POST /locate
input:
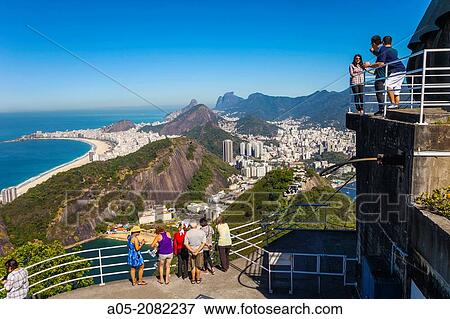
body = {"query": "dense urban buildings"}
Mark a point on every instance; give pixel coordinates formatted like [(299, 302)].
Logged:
[(123, 142), (294, 142)]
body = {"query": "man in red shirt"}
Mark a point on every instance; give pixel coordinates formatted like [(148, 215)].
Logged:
[(181, 251)]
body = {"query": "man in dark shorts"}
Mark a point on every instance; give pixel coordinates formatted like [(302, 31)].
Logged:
[(194, 241), (377, 49)]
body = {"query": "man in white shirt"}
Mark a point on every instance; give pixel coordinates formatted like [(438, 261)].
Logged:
[(195, 241)]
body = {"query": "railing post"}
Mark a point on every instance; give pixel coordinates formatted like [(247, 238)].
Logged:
[(412, 91), (291, 291), (318, 272), (422, 94), (102, 283), (344, 269), (392, 258), (270, 275), (385, 89)]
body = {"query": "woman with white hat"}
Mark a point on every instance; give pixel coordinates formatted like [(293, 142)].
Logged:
[(135, 259)]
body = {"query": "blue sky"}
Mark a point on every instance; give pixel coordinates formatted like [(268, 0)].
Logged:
[(173, 50)]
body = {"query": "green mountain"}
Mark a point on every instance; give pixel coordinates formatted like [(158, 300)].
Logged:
[(201, 124), (323, 107), (212, 137), (250, 124), (198, 115), (70, 205)]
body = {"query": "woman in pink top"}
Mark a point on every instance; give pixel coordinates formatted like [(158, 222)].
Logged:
[(356, 70)]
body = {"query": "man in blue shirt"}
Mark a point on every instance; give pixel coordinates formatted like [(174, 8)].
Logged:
[(396, 71)]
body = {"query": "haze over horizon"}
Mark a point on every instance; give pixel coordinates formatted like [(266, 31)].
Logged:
[(170, 52)]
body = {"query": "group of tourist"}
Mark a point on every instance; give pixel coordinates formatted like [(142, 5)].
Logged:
[(192, 245), (385, 55)]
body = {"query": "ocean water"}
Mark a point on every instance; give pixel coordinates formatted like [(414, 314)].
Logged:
[(23, 160), (106, 242), (350, 190)]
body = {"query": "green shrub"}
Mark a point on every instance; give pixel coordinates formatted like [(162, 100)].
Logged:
[(191, 151), (437, 202)]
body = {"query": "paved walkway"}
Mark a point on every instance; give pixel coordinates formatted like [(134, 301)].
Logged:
[(233, 284)]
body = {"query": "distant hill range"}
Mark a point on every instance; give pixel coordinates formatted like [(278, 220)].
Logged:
[(199, 123), (250, 124), (71, 205), (173, 115), (120, 126), (322, 107), (185, 121)]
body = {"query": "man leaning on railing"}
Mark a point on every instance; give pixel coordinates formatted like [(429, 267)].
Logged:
[(377, 48), (396, 71), (16, 281)]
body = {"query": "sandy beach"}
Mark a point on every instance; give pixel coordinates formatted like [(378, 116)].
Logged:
[(100, 147), (148, 236)]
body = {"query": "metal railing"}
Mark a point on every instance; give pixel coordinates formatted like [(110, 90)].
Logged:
[(100, 256), (101, 260), (264, 254), (288, 259), (422, 88)]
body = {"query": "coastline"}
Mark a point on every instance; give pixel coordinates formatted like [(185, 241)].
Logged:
[(147, 235), (100, 147)]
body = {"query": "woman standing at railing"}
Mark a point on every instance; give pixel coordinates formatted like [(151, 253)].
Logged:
[(356, 70), (165, 249), (135, 259), (209, 232), (224, 243), (181, 251)]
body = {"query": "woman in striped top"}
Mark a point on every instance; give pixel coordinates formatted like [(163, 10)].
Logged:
[(356, 70)]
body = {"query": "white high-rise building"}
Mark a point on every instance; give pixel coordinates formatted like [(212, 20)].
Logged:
[(246, 171), (9, 194), (249, 149), (258, 147), (242, 149), (228, 151), (253, 171)]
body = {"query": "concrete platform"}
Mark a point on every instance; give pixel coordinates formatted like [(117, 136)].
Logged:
[(234, 284), (245, 279)]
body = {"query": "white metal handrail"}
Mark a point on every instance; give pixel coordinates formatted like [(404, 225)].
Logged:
[(415, 91), (101, 266), (238, 240)]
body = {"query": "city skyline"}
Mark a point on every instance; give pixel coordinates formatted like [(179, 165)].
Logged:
[(169, 53)]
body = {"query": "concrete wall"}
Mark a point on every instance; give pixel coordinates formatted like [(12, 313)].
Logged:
[(430, 253), (430, 173), (385, 196)]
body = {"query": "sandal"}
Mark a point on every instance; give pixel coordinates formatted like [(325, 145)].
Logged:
[(198, 281), (133, 283), (193, 281), (142, 283)]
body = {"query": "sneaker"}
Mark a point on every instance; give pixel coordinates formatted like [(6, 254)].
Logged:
[(392, 106)]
